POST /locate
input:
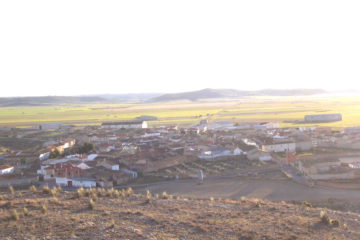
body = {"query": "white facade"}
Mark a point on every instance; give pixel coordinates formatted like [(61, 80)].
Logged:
[(76, 182), (280, 147), (126, 125), (44, 156), (6, 170)]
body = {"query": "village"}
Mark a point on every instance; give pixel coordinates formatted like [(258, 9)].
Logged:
[(119, 153)]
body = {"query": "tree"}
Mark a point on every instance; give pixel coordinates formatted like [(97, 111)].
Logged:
[(54, 154), (85, 148), (22, 160)]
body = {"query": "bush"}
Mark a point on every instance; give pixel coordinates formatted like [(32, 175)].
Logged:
[(335, 222), (33, 189), (53, 192), (44, 208), (14, 215), (324, 218), (46, 190), (148, 196), (11, 189), (80, 192), (130, 192), (307, 204), (92, 204), (26, 211), (164, 195)]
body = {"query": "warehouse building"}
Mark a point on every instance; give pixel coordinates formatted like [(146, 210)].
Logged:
[(126, 125), (323, 117)]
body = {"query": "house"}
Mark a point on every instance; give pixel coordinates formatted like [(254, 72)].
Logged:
[(83, 166), (47, 126), (323, 117), (6, 169), (256, 154), (76, 182), (215, 153), (266, 125), (304, 145), (44, 156), (61, 170), (126, 125), (133, 173), (279, 147), (62, 146), (325, 169), (109, 165)]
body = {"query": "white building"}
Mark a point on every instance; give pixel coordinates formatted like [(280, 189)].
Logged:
[(126, 125), (47, 126), (6, 169), (76, 182), (279, 147)]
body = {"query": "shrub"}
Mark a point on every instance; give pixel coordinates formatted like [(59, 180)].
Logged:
[(59, 189), (164, 195), (324, 218), (80, 192), (33, 189), (335, 222), (14, 215), (11, 189), (307, 204), (46, 190), (130, 191), (44, 208), (94, 196), (26, 211), (257, 203), (148, 196), (53, 192), (92, 204), (112, 223), (117, 193), (110, 192)]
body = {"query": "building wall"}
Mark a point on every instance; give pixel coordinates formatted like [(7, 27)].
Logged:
[(7, 171), (282, 147), (323, 117), (304, 146), (348, 175), (126, 126)]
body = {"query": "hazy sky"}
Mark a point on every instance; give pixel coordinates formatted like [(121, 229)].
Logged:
[(87, 47)]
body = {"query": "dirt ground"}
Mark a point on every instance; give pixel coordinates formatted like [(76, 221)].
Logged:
[(269, 189)]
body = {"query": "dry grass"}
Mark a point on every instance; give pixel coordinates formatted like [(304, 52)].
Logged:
[(92, 204), (33, 189), (11, 190), (111, 217)]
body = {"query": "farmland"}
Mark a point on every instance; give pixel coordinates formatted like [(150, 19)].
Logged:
[(283, 110)]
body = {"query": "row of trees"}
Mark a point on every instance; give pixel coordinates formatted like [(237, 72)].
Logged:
[(82, 149)]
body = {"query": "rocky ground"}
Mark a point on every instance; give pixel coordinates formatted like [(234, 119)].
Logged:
[(113, 214)]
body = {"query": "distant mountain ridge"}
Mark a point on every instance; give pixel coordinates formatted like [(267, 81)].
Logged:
[(59, 100), (48, 100), (209, 93)]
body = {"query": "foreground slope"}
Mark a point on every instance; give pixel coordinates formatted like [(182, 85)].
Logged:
[(113, 214)]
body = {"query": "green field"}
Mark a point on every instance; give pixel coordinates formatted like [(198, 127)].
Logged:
[(247, 110)]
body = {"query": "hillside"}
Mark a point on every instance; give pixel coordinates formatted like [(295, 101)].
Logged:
[(48, 100), (113, 214), (209, 93), (60, 100)]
